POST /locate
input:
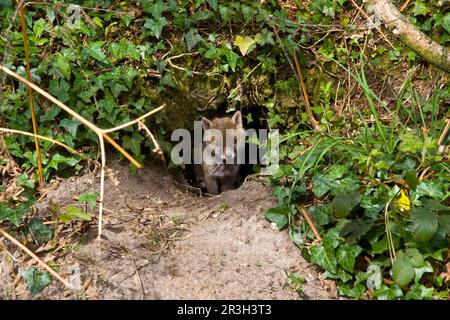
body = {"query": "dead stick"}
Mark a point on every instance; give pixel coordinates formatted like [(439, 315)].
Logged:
[(311, 224), (30, 94), (35, 257), (403, 7), (302, 86)]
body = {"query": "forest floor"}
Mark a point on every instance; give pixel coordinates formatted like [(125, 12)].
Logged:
[(162, 241)]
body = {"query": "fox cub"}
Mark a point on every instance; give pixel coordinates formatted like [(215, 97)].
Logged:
[(223, 143)]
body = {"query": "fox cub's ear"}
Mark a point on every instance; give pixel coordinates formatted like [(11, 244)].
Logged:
[(207, 124), (237, 119)]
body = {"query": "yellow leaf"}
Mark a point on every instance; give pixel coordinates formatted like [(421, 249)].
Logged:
[(244, 44), (402, 203)]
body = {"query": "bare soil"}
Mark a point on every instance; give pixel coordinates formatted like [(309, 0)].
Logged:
[(163, 241)]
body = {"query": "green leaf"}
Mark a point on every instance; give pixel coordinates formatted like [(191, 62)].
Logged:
[(14, 214), (38, 27), (411, 179), (213, 4), (41, 233), (225, 14), (434, 205), (430, 189), (96, 52), (90, 198), (24, 181), (420, 8), (355, 229), (419, 292), (410, 143), (50, 115), (419, 271), (324, 256), (279, 215), (192, 38), (344, 203), (245, 45), (446, 22), (133, 143), (402, 271), (74, 213), (415, 257), (36, 280), (231, 58), (156, 26), (321, 214), (425, 224), (393, 292), (155, 8), (71, 125), (63, 65), (346, 255)]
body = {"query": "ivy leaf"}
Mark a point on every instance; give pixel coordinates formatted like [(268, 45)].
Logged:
[(446, 22), (24, 181), (89, 198), (155, 8), (424, 224), (213, 4), (324, 256), (425, 268), (36, 280), (430, 189), (245, 45), (133, 143), (38, 27), (70, 125), (346, 255), (156, 26), (420, 8), (231, 58), (355, 229), (14, 214), (63, 65), (279, 215), (74, 213), (192, 38), (96, 52), (402, 271), (59, 88), (225, 14), (321, 214), (393, 292), (411, 179), (434, 205), (419, 292), (344, 203), (41, 233)]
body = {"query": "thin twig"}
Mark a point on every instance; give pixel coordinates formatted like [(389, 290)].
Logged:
[(30, 93), (403, 7), (135, 120), (157, 148), (302, 86), (35, 257), (310, 223), (376, 27)]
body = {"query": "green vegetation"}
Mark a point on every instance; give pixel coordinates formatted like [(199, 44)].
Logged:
[(374, 182)]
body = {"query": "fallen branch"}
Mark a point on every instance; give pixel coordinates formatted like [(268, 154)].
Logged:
[(102, 134), (35, 258), (157, 148), (412, 37)]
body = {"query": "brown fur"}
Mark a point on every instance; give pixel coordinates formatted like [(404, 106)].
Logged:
[(221, 177)]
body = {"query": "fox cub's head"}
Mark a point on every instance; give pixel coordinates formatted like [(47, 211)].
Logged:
[(223, 139)]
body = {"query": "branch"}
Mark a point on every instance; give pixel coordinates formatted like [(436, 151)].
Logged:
[(407, 33)]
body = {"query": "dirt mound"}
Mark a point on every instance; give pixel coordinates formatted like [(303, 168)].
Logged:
[(162, 242)]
